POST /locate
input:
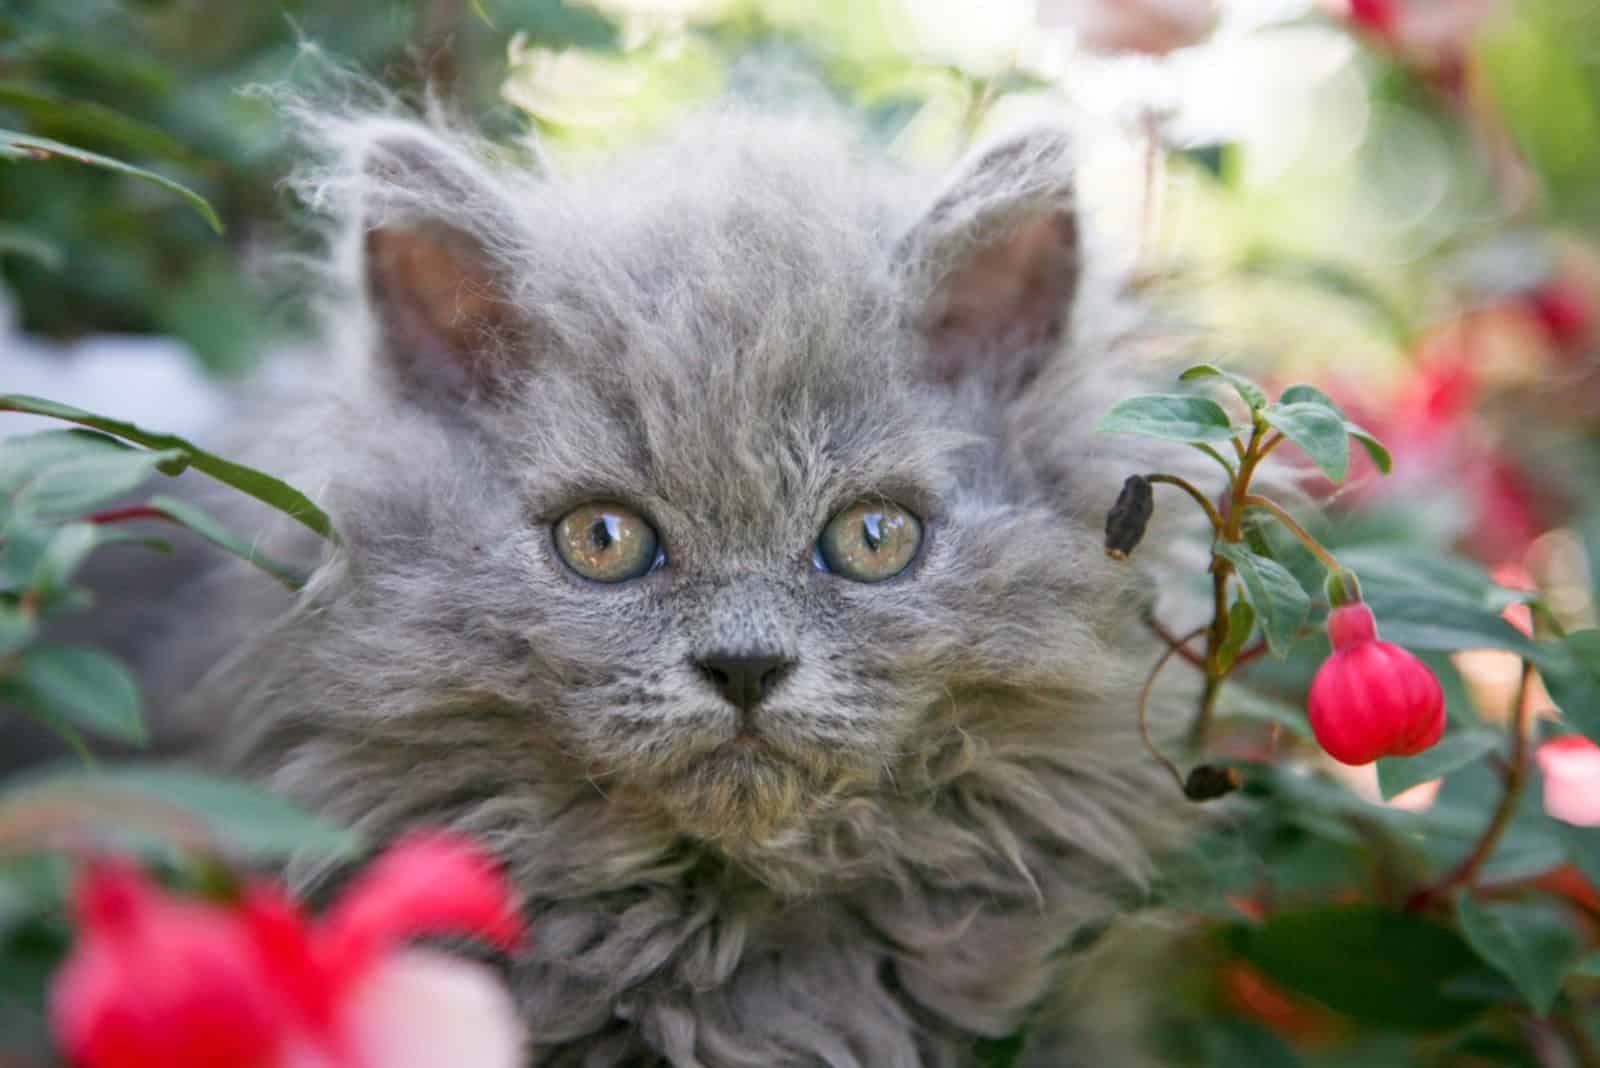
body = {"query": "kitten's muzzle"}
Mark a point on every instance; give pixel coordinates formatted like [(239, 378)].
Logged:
[(745, 679)]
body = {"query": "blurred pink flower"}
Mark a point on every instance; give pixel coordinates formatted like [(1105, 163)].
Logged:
[(1148, 27), (160, 979), (1570, 765)]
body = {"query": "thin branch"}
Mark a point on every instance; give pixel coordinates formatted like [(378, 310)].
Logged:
[(1193, 491), (1252, 500), (1174, 642), (1144, 704)]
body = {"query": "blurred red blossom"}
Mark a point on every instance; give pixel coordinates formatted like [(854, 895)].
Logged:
[(160, 979), (1566, 310), (1371, 698), (1432, 428), (1432, 36), (1570, 765)]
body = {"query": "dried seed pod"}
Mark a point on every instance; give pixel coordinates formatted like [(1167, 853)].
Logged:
[(1127, 519), (1207, 782)]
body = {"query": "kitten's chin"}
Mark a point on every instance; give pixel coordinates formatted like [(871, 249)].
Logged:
[(747, 793)]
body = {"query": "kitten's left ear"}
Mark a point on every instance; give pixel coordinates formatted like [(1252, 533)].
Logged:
[(993, 266), (448, 326)]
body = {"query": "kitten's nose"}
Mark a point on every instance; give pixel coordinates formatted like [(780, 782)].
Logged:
[(744, 678)]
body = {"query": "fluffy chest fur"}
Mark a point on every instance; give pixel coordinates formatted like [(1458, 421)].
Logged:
[(731, 342)]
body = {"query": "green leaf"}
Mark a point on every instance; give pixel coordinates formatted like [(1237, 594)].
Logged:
[(1398, 774), (1397, 570), (1375, 450), (1280, 602), (1533, 944), (24, 456), (1589, 966), (261, 486), (1304, 394), (1241, 621), (1300, 393), (70, 489), (16, 630), (202, 523), (1172, 416), (1316, 430), (21, 145), (244, 820), (65, 116), (28, 244), (1381, 967), (1411, 618), (81, 686), (1248, 391), (66, 549), (1570, 668)]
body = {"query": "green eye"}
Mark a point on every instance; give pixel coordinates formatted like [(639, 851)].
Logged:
[(608, 543), (870, 541)]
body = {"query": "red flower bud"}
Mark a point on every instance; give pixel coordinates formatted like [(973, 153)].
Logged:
[(1371, 698)]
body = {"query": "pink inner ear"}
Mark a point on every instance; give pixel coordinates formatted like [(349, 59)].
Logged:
[(1010, 295), (438, 305)]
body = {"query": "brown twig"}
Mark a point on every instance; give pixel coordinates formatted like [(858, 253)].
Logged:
[(1516, 778), (1144, 704)]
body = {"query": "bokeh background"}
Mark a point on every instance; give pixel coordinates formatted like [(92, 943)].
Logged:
[(1398, 200)]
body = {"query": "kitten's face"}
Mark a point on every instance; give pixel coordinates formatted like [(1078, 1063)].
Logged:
[(750, 546)]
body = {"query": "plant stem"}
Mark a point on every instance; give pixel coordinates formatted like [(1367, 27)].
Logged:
[(1516, 778), (1173, 641), (118, 515), (1189, 488), (1144, 703), (1254, 501)]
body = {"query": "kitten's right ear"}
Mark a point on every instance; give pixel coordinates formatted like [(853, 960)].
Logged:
[(440, 292), (992, 268)]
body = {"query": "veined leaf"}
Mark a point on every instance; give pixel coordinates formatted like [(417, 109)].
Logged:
[(240, 818), (1533, 944), (1248, 391), (81, 686), (1318, 431), (202, 523), (1280, 602), (25, 146), (1398, 774), (263, 487), (1379, 966), (1172, 416)]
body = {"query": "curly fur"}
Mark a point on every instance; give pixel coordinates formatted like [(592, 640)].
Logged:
[(733, 333)]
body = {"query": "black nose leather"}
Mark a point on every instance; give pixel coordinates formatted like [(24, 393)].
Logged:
[(744, 678)]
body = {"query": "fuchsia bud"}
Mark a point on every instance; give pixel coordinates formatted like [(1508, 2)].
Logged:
[(1371, 698)]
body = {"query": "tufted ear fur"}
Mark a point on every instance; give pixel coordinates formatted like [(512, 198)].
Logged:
[(438, 285), (993, 265)]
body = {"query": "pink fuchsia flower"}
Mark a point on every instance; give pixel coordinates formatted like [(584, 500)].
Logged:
[(1371, 698), (1570, 765), (160, 979), (1145, 27)]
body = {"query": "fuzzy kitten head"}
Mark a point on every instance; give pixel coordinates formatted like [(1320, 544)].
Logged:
[(733, 481)]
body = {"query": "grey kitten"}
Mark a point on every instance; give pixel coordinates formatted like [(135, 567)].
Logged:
[(721, 544)]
